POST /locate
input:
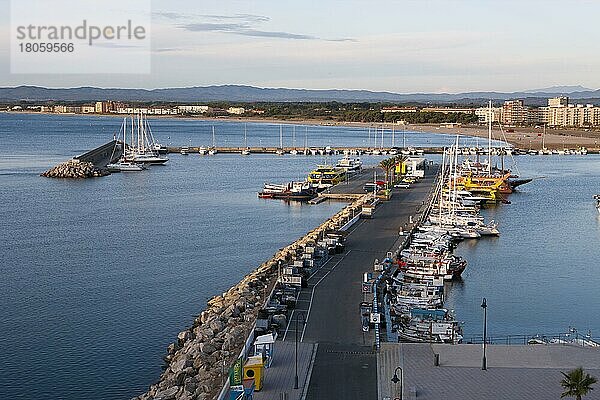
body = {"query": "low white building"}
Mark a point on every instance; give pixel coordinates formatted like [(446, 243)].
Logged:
[(192, 109), (236, 110)]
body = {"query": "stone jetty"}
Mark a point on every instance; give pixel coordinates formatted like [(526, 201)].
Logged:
[(75, 169), (195, 362)]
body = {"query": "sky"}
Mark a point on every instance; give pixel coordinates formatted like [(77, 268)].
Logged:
[(403, 46)]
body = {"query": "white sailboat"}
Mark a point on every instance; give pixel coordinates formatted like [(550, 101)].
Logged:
[(245, 151), (294, 151), (213, 150), (123, 165), (306, 151), (279, 151), (142, 145)]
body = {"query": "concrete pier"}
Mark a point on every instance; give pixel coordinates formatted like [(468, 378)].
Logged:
[(345, 364), (103, 155)]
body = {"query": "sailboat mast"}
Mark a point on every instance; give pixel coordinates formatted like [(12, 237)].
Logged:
[(305, 138), (544, 138), (245, 135), (393, 133), (490, 117), (455, 173), (294, 137), (442, 177), (280, 136), (138, 132), (132, 123), (382, 136), (213, 137)]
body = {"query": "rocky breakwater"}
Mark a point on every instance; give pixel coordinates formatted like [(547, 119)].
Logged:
[(196, 361), (75, 169)]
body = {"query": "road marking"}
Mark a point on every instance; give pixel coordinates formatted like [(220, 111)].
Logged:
[(313, 294), (288, 325), (309, 372)]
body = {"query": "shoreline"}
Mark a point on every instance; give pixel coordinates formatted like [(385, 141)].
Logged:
[(528, 138)]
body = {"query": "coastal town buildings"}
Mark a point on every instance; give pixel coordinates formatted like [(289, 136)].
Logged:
[(558, 112)]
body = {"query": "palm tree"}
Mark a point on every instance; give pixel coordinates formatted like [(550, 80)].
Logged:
[(386, 165), (577, 383)]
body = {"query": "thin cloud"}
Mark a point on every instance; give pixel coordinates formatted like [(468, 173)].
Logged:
[(169, 50), (280, 35), (237, 24), (244, 18), (243, 29)]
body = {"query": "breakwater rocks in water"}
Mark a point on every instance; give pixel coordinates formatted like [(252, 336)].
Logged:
[(194, 363), (75, 169)]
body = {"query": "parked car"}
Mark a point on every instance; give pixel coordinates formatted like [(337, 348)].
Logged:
[(370, 187), (402, 185)]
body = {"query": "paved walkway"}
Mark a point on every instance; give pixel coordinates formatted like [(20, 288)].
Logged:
[(357, 180), (514, 372), (280, 377)]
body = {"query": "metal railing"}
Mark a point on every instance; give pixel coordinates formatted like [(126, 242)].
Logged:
[(573, 338)]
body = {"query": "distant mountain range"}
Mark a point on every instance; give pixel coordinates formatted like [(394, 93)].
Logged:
[(239, 93)]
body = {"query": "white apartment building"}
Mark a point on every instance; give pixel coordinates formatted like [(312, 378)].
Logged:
[(560, 113)]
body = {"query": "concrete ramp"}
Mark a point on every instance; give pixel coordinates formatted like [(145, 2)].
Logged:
[(103, 155)]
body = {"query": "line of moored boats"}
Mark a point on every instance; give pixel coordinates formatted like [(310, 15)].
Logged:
[(416, 289), (141, 151), (321, 178)]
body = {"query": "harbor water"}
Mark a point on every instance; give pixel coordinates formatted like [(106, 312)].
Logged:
[(99, 275)]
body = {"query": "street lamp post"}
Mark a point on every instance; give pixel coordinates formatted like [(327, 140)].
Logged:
[(395, 379), (298, 314), (484, 306)]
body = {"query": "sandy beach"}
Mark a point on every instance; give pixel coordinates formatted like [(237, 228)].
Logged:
[(522, 137)]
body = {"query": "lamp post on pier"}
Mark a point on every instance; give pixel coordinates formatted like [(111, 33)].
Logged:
[(484, 360), (298, 314), (395, 379)]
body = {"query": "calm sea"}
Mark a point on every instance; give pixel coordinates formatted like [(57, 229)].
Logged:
[(99, 275)]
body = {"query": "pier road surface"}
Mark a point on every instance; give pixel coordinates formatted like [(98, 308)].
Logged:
[(345, 365), (355, 182)]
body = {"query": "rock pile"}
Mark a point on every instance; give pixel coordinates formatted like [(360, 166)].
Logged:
[(195, 361), (75, 169)]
